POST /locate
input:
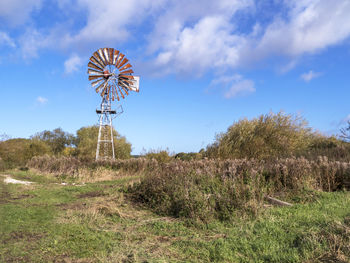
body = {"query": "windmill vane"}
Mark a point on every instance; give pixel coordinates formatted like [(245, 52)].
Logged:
[(111, 76)]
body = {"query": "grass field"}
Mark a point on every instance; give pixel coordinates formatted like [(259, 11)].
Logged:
[(97, 222)]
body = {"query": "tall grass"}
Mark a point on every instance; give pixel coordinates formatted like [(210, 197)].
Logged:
[(207, 189)]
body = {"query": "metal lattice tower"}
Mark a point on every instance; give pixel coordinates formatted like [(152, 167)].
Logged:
[(105, 141)]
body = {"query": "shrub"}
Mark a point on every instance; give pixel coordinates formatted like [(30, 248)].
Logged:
[(331, 147), (268, 136), (206, 189), (161, 156), (188, 156), (17, 152)]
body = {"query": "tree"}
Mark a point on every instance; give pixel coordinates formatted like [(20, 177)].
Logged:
[(17, 152), (56, 139), (345, 132), (86, 143), (270, 135)]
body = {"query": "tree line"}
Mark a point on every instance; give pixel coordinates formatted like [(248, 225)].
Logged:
[(272, 135), (17, 152)]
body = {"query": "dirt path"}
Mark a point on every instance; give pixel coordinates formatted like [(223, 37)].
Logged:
[(9, 180)]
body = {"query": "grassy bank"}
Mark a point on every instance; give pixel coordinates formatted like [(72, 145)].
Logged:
[(98, 222)]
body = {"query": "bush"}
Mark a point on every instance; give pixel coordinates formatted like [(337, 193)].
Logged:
[(268, 136), (188, 156), (207, 189), (331, 147), (161, 156), (17, 152)]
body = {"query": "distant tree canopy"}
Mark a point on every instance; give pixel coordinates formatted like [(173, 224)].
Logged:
[(162, 156), (57, 139), (86, 143), (16, 152), (275, 136), (270, 135)]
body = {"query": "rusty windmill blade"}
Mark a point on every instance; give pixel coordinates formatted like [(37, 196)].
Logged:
[(103, 84), (121, 93), (92, 77), (111, 55), (120, 58), (96, 82), (92, 65), (115, 56), (125, 82), (104, 90), (122, 63), (94, 72), (116, 93), (125, 67), (106, 55), (97, 56), (101, 56), (95, 61), (123, 88), (130, 71), (122, 76)]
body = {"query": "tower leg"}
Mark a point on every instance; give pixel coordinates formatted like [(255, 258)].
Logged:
[(112, 139), (99, 138)]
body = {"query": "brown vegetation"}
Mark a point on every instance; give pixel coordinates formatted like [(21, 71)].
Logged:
[(206, 189)]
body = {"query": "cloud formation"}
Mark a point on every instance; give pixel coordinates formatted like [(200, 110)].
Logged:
[(72, 64), (219, 37), (310, 75), (17, 12), (6, 40), (41, 100), (234, 86)]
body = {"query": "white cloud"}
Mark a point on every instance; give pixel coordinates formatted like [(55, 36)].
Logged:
[(31, 42), (41, 100), (72, 64), (207, 45), (5, 39), (312, 26), (234, 85), (189, 36), (108, 21), (198, 38), (208, 39), (17, 12), (310, 75), (240, 88)]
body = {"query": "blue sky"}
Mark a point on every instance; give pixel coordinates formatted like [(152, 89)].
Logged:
[(203, 65)]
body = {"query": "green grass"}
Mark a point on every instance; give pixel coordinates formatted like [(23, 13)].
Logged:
[(96, 222)]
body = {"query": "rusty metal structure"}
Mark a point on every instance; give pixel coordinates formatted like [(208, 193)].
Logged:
[(112, 77)]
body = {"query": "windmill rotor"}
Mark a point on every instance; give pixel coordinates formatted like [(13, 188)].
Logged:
[(110, 74)]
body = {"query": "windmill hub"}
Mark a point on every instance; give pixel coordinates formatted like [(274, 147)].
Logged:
[(102, 69), (106, 74)]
